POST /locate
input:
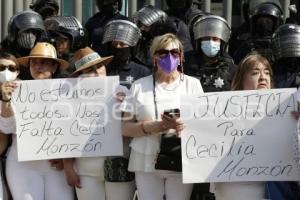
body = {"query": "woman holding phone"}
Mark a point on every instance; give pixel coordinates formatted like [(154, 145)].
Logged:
[(144, 121)]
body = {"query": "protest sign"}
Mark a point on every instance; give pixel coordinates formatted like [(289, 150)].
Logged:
[(240, 136), (61, 118)]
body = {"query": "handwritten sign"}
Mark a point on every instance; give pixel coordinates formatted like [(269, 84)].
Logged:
[(240, 136), (61, 118)]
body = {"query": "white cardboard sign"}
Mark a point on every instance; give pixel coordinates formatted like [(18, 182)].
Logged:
[(240, 136), (61, 118)]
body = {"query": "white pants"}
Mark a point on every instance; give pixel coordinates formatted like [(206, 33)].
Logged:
[(36, 180), (119, 190), (94, 188), (154, 185), (239, 190)]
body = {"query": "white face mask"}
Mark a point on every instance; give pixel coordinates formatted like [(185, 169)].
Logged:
[(7, 75)]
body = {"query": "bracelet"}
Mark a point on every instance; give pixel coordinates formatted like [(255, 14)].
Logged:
[(143, 129), (8, 100)]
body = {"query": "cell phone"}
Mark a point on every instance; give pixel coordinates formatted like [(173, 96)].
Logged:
[(172, 113)]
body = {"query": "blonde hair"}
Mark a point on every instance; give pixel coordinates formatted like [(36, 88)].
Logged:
[(160, 42), (245, 67)]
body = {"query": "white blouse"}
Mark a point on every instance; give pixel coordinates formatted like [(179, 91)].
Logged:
[(140, 102)]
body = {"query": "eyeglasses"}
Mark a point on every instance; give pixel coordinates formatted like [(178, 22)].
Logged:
[(12, 68), (164, 52)]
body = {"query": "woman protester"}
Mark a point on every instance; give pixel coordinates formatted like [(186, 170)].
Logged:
[(9, 70), (253, 73), (39, 179), (86, 174), (144, 122)]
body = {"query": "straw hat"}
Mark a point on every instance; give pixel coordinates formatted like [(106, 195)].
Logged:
[(43, 50), (86, 58)]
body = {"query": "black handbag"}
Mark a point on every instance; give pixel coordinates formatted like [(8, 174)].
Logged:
[(169, 157), (116, 170)]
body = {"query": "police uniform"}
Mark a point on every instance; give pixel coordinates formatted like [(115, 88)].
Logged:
[(151, 17), (95, 25), (286, 45), (70, 28), (177, 16), (214, 77), (261, 30), (128, 71), (286, 50), (19, 42), (213, 72)]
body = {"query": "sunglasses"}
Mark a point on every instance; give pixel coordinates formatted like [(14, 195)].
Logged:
[(11, 68), (164, 52)]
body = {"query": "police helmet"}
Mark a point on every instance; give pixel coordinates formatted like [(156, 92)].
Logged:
[(270, 9), (193, 16), (122, 31), (254, 3), (70, 27), (23, 21), (286, 42), (212, 26), (148, 15)]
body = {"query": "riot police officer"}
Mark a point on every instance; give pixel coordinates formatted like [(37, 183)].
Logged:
[(121, 36), (286, 50), (46, 8), (24, 30), (177, 10), (242, 33), (67, 33), (108, 10), (265, 18), (150, 21), (211, 64)]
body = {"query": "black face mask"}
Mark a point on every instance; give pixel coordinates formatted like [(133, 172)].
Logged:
[(264, 28), (109, 10), (121, 57)]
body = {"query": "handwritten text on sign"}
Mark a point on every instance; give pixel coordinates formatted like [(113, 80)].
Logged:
[(67, 118), (240, 136)]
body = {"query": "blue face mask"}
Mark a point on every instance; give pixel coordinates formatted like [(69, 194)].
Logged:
[(210, 48)]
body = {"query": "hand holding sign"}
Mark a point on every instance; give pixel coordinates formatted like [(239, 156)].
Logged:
[(240, 136), (67, 118)]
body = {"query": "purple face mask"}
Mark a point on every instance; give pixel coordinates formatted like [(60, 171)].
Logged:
[(169, 63)]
